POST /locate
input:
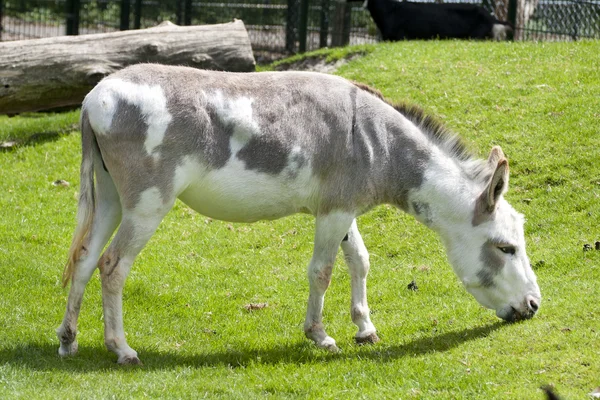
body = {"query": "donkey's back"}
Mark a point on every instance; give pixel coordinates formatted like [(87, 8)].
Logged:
[(237, 147)]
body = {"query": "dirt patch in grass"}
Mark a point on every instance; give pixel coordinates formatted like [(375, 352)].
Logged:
[(316, 64)]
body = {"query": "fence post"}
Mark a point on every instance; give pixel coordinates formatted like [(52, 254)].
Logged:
[(137, 14), (179, 12), (512, 18), (340, 35), (1, 13), (124, 25), (291, 25), (324, 32), (187, 10), (72, 16), (303, 28)]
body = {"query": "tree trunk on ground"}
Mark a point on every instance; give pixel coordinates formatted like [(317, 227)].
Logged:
[(54, 72)]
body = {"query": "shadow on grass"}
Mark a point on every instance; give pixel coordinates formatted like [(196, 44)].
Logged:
[(35, 128), (35, 139), (44, 356)]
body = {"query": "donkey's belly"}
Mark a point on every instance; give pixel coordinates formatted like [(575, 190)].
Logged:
[(243, 196)]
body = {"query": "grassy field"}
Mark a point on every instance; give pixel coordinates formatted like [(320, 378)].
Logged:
[(184, 300)]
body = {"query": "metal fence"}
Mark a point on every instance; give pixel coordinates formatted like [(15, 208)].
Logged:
[(278, 26), (564, 20), (549, 20)]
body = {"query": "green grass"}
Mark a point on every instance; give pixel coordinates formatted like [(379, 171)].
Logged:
[(184, 298), (31, 128)]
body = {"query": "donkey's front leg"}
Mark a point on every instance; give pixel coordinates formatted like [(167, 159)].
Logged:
[(329, 232), (357, 258)]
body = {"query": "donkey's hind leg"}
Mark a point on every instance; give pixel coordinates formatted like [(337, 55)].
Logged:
[(357, 258), (138, 225), (108, 215), (329, 232)]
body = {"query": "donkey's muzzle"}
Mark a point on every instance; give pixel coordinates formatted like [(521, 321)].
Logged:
[(525, 311)]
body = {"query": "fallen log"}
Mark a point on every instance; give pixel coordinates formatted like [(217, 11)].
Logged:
[(40, 74)]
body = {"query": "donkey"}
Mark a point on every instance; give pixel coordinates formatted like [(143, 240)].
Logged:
[(246, 147)]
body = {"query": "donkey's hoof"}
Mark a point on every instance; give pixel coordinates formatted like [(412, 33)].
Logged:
[(332, 348), (328, 344), (66, 350), (369, 339), (129, 360)]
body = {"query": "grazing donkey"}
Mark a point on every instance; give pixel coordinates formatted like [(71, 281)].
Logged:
[(245, 147)]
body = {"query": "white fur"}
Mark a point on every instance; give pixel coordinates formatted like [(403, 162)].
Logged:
[(234, 193), (499, 32), (446, 193), (451, 204), (150, 202), (102, 102), (236, 112), (357, 259)]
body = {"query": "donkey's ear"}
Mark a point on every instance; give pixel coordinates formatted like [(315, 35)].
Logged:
[(496, 155), (498, 185)]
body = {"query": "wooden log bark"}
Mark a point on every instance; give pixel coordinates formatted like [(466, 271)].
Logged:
[(54, 72)]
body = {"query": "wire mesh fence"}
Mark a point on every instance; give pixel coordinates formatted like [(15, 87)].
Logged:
[(563, 20), (277, 26)]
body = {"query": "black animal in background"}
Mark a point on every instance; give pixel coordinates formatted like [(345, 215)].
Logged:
[(406, 20)]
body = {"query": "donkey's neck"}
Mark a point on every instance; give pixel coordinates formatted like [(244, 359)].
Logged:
[(445, 196), (427, 180)]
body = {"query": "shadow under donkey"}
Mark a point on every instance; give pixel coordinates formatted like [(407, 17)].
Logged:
[(42, 356)]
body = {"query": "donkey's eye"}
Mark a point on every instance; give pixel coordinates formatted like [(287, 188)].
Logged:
[(507, 249)]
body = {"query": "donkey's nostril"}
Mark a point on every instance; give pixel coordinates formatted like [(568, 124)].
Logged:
[(533, 305)]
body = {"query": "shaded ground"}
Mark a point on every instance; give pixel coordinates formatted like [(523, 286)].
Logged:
[(316, 64)]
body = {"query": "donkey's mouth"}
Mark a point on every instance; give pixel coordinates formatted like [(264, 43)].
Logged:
[(511, 314), (526, 310)]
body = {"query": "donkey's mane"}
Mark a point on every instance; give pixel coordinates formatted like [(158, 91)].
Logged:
[(439, 135), (435, 130)]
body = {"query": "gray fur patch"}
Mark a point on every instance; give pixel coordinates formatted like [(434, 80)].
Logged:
[(492, 261), (264, 155), (197, 129), (129, 120), (410, 167), (423, 211), (481, 214), (68, 335), (486, 278), (296, 161), (129, 126)]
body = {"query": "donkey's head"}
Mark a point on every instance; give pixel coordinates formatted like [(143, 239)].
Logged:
[(487, 249)]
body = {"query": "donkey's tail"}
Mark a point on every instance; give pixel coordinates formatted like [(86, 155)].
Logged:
[(87, 197)]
